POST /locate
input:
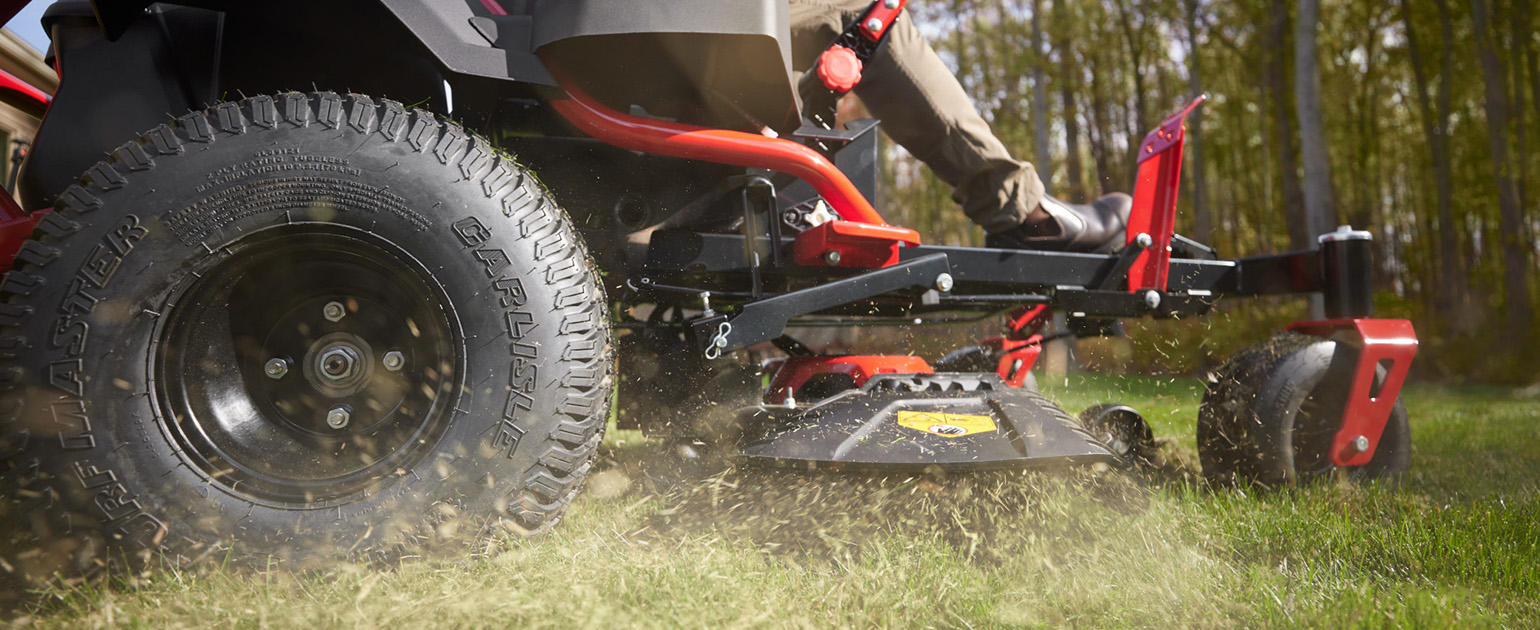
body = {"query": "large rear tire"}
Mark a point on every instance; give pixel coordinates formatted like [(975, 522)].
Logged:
[(305, 326), (1270, 413)]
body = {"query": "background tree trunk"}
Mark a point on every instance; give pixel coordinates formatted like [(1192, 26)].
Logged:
[(1435, 129), (1320, 199), (1069, 85), (1039, 93), (1133, 37), (1415, 117), (1202, 222), (1515, 259), (1277, 80)]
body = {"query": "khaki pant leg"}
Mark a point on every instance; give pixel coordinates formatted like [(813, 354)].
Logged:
[(924, 109)]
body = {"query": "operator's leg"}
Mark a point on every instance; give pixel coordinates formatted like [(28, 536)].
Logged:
[(924, 109)]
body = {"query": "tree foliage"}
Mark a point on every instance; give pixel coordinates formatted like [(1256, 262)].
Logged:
[(1431, 123)]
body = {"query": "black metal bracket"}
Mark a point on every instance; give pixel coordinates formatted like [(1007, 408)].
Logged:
[(1117, 277), (819, 103), (766, 319)]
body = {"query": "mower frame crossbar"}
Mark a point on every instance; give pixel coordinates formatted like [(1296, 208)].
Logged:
[(765, 319), (990, 272)]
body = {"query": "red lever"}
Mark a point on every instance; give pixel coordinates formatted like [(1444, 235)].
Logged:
[(839, 68)]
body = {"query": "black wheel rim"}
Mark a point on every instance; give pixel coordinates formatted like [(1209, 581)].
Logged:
[(307, 365)]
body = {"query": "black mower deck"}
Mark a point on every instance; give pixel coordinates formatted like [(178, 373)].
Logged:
[(910, 421)]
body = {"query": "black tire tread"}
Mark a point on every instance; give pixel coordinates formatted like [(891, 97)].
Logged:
[(555, 478), (1226, 418), (1237, 447)]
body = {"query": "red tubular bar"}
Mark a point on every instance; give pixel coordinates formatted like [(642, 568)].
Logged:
[(21, 95), (796, 371), (713, 145)]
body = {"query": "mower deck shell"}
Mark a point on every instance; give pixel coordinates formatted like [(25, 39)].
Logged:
[(913, 421)]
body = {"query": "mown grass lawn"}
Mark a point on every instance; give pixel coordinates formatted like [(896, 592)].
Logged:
[(1457, 545)]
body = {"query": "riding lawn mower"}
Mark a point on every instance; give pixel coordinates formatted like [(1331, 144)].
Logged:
[(244, 321)]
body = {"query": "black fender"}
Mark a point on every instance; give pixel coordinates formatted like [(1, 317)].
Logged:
[(129, 65)]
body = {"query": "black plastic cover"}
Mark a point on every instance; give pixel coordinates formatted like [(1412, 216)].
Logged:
[(720, 62), (914, 421)]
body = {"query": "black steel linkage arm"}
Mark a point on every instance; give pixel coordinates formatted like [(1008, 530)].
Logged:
[(765, 319)]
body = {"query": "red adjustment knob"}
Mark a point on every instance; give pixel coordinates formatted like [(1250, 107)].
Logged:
[(840, 68)]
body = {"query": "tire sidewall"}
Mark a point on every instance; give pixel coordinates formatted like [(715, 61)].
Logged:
[(1322, 371), (117, 466), (1287, 386)]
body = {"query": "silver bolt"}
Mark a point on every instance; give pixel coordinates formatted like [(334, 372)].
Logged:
[(944, 282), (1361, 443), (1144, 240), (394, 360), (276, 368), (1152, 298), (874, 25), (831, 258), (334, 311), (891, 4), (791, 399), (338, 417), (338, 363)]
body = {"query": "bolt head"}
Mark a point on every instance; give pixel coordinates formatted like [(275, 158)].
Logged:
[(1144, 240), (338, 417), (874, 25), (831, 258), (1152, 298), (891, 4), (338, 363), (276, 368), (334, 311), (944, 282), (1361, 443), (393, 360)]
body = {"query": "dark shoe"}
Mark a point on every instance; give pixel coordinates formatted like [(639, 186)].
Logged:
[(1094, 227)]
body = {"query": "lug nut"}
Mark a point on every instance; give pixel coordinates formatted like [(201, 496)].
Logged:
[(338, 417), (276, 368), (1361, 443), (334, 311), (944, 282), (394, 360)]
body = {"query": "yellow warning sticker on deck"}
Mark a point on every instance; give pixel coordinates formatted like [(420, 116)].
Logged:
[(945, 424)]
